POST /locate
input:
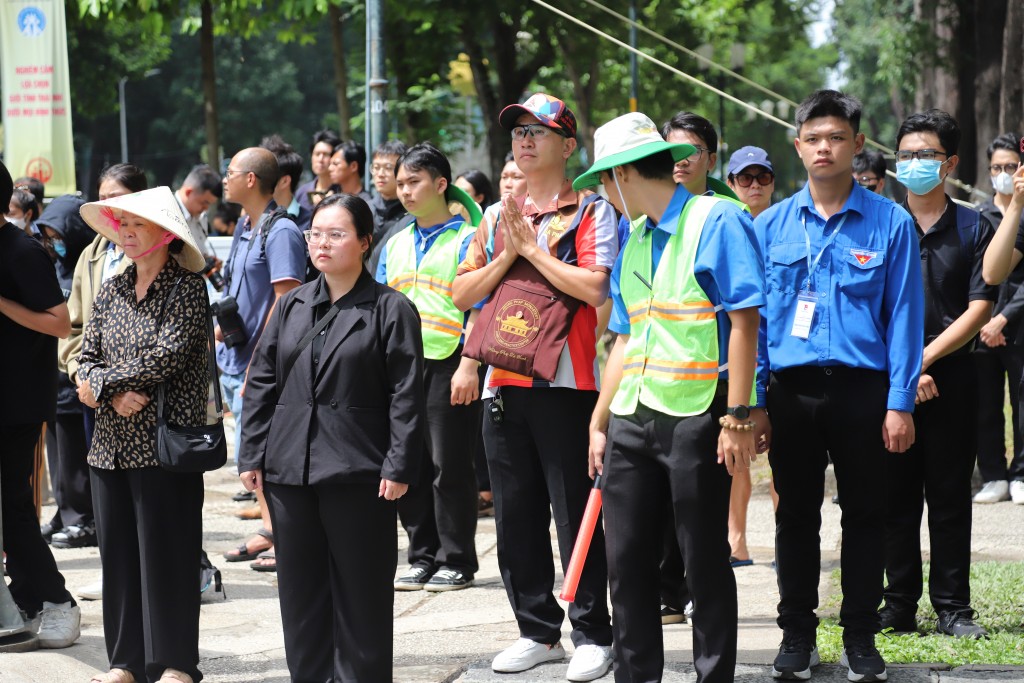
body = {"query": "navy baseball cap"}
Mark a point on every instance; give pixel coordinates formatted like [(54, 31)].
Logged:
[(748, 156)]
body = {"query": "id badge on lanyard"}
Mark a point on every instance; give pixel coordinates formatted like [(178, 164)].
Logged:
[(807, 299)]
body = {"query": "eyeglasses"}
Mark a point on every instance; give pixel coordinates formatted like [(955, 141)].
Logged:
[(996, 169), (379, 168), (315, 236), (922, 154), (867, 181), (698, 154), (230, 172), (534, 130), (745, 179)]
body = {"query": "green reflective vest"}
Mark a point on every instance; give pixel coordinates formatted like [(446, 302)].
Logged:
[(671, 360), (429, 285)]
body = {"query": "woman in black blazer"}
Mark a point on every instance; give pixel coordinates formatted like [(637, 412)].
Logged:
[(334, 435)]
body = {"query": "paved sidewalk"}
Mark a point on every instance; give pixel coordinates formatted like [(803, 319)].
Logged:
[(444, 637)]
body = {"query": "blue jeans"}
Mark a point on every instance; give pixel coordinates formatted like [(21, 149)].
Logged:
[(232, 385)]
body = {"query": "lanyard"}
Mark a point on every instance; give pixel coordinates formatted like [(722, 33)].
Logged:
[(811, 266), (425, 237)]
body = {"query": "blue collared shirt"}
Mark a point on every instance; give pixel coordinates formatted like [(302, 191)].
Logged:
[(869, 309), (728, 264)]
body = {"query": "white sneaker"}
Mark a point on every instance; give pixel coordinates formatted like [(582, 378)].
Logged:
[(994, 492), (526, 654), (589, 662), (94, 591), (32, 625), (1017, 492), (59, 625)]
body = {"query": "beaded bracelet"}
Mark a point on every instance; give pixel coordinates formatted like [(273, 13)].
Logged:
[(741, 427)]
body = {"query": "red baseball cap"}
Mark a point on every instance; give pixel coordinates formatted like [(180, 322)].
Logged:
[(550, 111)]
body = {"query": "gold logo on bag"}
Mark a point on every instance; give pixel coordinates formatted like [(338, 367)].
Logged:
[(518, 324)]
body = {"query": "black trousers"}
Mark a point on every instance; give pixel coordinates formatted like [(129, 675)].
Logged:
[(653, 458), (674, 592), (66, 453), (537, 458), (995, 367), (336, 558), (818, 412), (483, 477), (149, 524), (937, 468), (30, 564), (447, 494)]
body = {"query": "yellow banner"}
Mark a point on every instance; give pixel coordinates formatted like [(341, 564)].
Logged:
[(36, 93)]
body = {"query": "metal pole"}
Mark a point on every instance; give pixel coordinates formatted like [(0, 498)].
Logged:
[(634, 71), (721, 130), (124, 120), (378, 83)]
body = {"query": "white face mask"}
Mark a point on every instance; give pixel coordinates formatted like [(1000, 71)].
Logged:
[(20, 222), (1003, 183)]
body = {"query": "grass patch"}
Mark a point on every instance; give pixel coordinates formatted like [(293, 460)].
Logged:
[(997, 593)]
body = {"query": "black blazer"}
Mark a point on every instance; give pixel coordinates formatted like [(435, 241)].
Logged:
[(362, 416)]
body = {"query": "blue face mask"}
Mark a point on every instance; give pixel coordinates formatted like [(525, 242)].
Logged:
[(920, 176), (58, 248)]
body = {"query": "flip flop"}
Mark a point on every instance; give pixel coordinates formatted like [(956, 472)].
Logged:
[(736, 562), (261, 564), (242, 552)]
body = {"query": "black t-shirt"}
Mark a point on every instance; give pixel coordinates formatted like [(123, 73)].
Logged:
[(28, 359)]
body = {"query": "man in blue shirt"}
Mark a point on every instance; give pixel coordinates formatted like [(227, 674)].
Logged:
[(838, 369), (266, 260)]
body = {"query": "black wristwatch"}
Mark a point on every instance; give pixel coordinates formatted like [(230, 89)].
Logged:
[(739, 412)]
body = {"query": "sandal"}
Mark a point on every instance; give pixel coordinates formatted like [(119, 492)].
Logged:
[(114, 676), (174, 676), (242, 552), (265, 562)]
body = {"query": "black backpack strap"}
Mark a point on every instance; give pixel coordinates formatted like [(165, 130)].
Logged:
[(967, 229), (268, 225)]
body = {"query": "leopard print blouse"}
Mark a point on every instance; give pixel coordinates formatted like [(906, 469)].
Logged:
[(123, 350)]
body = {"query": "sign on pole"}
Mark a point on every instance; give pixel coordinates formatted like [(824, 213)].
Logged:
[(36, 93)]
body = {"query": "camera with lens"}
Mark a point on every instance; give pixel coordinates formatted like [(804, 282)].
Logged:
[(232, 328), (214, 276)]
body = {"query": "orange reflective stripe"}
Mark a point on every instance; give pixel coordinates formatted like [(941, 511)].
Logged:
[(405, 280), (408, 280), (441, 324)]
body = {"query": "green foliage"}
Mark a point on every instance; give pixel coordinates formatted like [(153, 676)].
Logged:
[(997, 593)]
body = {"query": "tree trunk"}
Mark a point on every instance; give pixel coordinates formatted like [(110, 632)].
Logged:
[(1011, 103), (584, 94), (937, 82), (209, 79), (340, 70), (989, 18)]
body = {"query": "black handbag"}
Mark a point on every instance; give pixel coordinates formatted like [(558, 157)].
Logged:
[(181, 448)]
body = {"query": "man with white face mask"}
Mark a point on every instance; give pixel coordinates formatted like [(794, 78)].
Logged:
[(938, 466)]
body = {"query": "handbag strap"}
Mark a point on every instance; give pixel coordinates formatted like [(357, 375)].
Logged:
[(305, 341), (211, 357)]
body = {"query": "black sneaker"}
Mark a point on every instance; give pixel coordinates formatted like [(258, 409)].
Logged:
[(961, 625), (414, 579), (75, 537), (244, 496), (897, 621), (861, 657), (47, 531), (448, 579), (671, 615), (797, 654)]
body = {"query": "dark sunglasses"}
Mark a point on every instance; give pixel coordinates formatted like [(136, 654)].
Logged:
[(763, 179)]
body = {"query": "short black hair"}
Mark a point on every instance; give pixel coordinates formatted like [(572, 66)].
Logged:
[(276, 144), (391, 148), (26, 201), (128, 176), (352, 151), (692, 123), (869, 160), (204, 179), (481, 184), (325, 135), (935, 121), (362, 216), (228, 212), (821, 103), (1007, 141), (510, 157), (6, 186), (33, 185), (829, 102), (658, 166), (425, 157), (288, 160)]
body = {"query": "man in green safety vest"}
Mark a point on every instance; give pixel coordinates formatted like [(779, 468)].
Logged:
[(673, 421), (420, 261)]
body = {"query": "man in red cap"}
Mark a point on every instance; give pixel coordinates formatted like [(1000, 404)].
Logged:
[(543, 266)]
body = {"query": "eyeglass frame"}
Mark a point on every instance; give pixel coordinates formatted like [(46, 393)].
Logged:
[(308, 236), (752, 177), (916, 154), (228, 172), (698, 154), (1009, 169), (529, 129)]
